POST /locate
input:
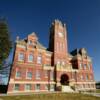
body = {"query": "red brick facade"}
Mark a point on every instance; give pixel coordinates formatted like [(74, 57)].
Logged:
[(36, 68)]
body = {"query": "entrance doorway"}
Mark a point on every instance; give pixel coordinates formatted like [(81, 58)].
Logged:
[(64, 79)]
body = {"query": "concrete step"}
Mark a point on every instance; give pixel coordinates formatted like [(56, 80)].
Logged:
[(67, 89)]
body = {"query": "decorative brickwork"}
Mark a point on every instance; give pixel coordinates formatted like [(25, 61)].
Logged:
[(36, 68)]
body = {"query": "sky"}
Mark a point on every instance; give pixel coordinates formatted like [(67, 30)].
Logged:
[(82, 18)]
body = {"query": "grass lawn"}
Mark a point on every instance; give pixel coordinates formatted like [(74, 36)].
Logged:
[(57, 96), (98, 91)]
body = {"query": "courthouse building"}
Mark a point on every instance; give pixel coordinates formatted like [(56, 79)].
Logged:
[(36, 68)]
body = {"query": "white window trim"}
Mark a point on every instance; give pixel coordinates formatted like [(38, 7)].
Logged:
[(47, 87), (19, 56), (14, 88), (36, 88), (25, 87), (37, 71), (38, 60), (16, 74), (29, 59), (46, 73), (27, 74)]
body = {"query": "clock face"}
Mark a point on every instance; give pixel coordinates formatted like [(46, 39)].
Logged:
[(60, 34)]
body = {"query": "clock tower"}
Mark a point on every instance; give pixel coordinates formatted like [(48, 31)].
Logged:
[(58, 42)]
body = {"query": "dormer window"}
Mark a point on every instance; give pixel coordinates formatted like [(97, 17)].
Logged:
[(39, 59), (30, 42)]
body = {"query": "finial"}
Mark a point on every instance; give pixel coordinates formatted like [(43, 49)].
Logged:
[(17, 38)]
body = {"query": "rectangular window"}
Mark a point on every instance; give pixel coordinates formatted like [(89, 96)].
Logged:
[(85, 66), (81, 67), (21, 57), (18, 74), (30, 42), (46, 87), (38, 74), (29, 75), (28, 87), (37, 87), (30, 58), (51, 75), (46, 74), (51, 87), (81, 77), (16, 87), (39, 59), (87, 78)]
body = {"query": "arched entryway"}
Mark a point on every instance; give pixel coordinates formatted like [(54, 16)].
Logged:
[(64, 79)]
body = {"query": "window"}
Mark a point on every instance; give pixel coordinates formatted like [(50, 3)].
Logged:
[(18, 74), (80, 65), (37, 87), (30, 58), (38, 74), (16, 87), (87, 77), (51, 87), (30, 42), (20, 57), (39, 59), (82, 77), (88, 85), (85, 65), (58, 62), (29, 75), (63, 63), (46, 74), (46, 87), (28, 87), (51, 75)]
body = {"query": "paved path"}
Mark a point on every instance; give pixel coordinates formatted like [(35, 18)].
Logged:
[(93, 94)]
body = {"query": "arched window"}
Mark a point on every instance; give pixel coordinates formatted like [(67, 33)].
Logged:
[(30, 42), (21, 57), (39, 59), (30, 58)]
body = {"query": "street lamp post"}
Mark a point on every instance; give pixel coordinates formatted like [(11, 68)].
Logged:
[(49, 80), (75, 79)]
